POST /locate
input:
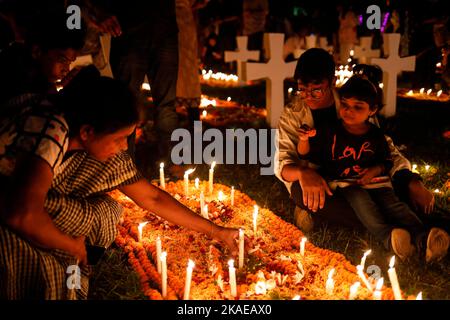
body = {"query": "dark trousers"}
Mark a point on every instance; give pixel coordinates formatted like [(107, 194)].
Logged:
[(146, 50), (380, 211)]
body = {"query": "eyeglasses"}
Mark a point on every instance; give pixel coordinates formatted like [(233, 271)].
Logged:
[(316, 93)]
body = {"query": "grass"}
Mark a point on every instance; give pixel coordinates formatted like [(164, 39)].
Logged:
[(422, 144)]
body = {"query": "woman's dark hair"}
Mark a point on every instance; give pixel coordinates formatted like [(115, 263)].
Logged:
[(314, 66), (105, 104), (362, 89)]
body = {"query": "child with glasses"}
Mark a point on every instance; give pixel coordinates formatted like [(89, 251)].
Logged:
[(354, 154)]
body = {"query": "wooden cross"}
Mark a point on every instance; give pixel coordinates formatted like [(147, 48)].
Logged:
[(241, 54), (364, 51), (392, 66), (274, 71)]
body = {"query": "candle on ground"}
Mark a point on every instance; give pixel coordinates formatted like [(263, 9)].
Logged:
[(197, 183), (354, 290), (394, 280), (232, 196), (205, 212), (255, 218), (379, 286), (186, 181), (241, 248), (211, 177), (220, 196), (140, 227), (164, 274), (158, 254), (162, 180), (187, 285), (363, 259), (329, 286), (232, 273), (419, 296), (302, 246), (202, 202), (363, 278)]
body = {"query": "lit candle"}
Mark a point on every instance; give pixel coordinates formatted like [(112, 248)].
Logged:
[(186, 181), (241, 248), (381, 85), (422, 90), (205, 212), (232, 272), (232, 196), (158, 254), (204, 114), (211, 177), (290, 91), (220, 196), (410, 93), (140, 227), (427, 167), (187, 285), (162, 181), (379, 286), (414, 168), (363, 277), (437, 190), (352, 52), (202, 202), (229, 99), (429, 92), (197, 183), (296, 297), (394, 280), (419, 296), (363, 259), (330, 282), (302, 246), (438, 65), (255, 218), (164, 274), (354, 290), (438, 94)]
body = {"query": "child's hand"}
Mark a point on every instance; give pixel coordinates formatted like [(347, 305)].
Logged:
[(369, 173), (305, 132)]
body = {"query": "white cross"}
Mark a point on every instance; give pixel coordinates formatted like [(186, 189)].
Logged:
[(241, 54), (364, 51), (274, 71), (392, 66), (323, 43)]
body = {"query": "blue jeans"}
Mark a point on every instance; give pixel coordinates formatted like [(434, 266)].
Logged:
[(380, 211)]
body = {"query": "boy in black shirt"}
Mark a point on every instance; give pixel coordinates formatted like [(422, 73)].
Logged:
[(355, 152)]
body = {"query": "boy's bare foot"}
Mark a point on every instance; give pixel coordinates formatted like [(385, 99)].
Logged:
[(437, 244), (401, 243)]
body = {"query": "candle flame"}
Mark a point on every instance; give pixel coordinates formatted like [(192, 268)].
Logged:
[(231, 263), (367, 252), (229, 99), (140, 227), (381, 86), (429, 91), (213, 164), (392, 262), (379, 284), (427, 167), (419, 296), (410, 93), (437, 190), (188, 172), (352, 52), (422, 90), (204, 113), (161, 165), (290, 90), (297, 297), (191, 264), (438, 94)]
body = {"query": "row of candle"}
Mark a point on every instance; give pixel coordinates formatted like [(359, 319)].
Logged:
[(422, 92)]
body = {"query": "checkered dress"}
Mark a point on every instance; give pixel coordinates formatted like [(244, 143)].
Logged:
[(78, 206)]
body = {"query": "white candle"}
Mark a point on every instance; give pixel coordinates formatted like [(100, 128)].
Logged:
[(232, 196), (419, 296), (232, 272), (164, 274), (202, 202), (197, 183), (410, 93), (186, 181), (140, 227), (241, 248), (158, 254), (187, 285), (379, 286), (422, 90), (429, 91), (363, 259), (205, 212), (296, 297), (302, 246), (162, 181), (427, 167), (354, 290), (211, 177), (394, 280), (255, 218), (439, 93), (329, 286), (220, 196), (363, 278)]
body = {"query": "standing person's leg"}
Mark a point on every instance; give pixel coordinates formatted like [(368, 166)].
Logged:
[(336, 212), (129, 63), (163, 73)]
